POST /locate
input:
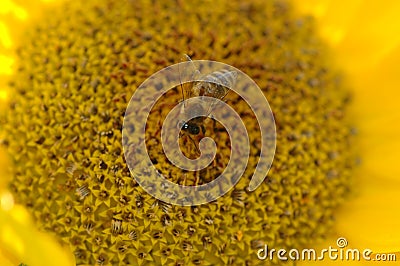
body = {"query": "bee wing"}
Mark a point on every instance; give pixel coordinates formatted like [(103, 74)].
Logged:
[(228, 78), (214, 103), (191, 72), (187, 74), (225, 78)]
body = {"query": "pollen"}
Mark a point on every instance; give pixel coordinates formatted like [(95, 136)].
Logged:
[(77, 68)]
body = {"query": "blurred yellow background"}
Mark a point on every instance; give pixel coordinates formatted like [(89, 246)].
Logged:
[(365, 38)]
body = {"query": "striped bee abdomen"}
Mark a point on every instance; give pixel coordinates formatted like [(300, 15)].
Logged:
[(225, 77), (216, 84)]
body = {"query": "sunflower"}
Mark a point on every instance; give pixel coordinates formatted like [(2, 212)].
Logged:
[(364, 38)]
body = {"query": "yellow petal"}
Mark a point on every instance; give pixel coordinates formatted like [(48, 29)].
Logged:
[(362, 32), (20, 242), (369, 50)]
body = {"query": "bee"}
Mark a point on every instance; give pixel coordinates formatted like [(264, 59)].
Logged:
[(216, 85)]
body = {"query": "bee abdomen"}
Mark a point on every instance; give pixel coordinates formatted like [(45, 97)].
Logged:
[(224, 77)]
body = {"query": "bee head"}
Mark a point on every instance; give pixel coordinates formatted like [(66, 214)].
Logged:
[(191, 128)]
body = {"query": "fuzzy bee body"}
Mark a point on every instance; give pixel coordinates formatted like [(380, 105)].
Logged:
[(215, 85)]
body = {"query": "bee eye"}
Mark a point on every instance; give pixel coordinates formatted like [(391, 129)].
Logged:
[(194, 130)]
